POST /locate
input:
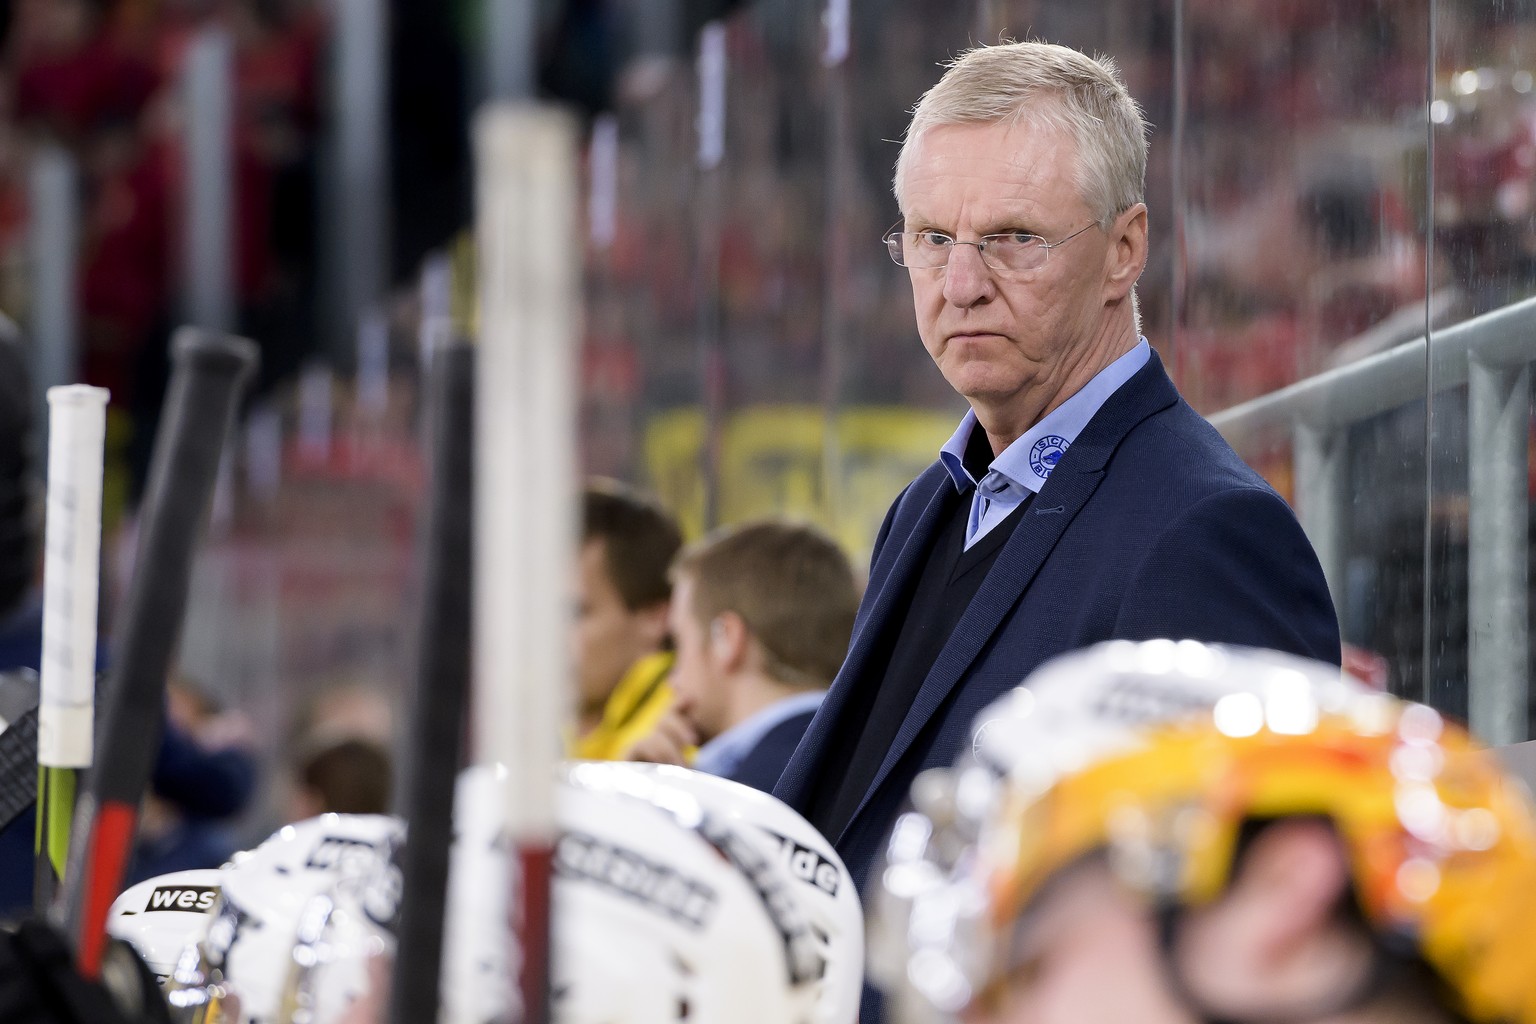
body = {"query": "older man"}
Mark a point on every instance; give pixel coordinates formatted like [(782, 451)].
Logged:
[(1080, 499)]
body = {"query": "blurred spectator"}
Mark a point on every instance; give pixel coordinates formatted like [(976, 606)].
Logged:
[(104, 79), (345, 776), (205, 775), (345, 709), (619, 639), (71, 72), (761, 616)]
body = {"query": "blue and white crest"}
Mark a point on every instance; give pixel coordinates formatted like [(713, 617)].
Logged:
[(1046, 453)]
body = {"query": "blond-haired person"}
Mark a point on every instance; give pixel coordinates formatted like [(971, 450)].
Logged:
[(760, 619), (1080, 499)]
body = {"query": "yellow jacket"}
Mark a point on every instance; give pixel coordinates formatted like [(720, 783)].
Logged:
[(637, 703)]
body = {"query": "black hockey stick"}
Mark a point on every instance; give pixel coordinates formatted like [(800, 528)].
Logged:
[(208, 373), (426, 779)]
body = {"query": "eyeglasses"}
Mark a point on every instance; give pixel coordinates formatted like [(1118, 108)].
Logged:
[(1013, 251)]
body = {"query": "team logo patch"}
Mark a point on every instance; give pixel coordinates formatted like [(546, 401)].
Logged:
[(185, 898), (1046, 453)]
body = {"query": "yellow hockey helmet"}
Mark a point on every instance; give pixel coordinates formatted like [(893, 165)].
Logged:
[(1157, 754)]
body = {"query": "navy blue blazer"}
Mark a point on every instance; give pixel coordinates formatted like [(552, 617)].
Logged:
[(1150, 526), (764, 763)]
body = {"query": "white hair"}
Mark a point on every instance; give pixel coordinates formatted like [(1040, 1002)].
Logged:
[(1046, 84)]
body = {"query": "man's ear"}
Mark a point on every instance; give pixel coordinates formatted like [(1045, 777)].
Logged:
[(729, 640), (1275, 943), (1127, 255)]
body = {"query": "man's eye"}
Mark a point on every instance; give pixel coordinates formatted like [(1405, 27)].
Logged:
[(932, 239), (1018, 238)]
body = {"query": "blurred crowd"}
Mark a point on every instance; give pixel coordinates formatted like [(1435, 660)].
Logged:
[(104, 80), (1305, 221)]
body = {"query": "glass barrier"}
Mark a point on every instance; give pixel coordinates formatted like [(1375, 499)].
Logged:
[(1482, 117), (1314, 210), (1341, 198)]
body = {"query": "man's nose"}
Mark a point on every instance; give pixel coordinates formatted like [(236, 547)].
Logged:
[(967, 278)]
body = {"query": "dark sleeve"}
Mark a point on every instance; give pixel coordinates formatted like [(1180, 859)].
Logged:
[(203, 783), (765, 762), (16, 868), (885, 525), (1235, 568)]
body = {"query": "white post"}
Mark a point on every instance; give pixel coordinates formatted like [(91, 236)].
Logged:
[(709, 216), (511, 29), (528, 238), (525, 524), (208, 267), (77, 430), (317, 413), (53, 233), (360, 183), (372, 378), (435, 289), (1320, 489), (1498, 661), (603, 182), (840, 182)]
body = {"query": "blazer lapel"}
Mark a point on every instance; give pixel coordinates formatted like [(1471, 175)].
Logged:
[(1045, 520), (908, 560)]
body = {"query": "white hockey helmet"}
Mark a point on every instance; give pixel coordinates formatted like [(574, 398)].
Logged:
[(826, 890), (665, 912), (345, 944), (347, 940), (242, 971), (161, 916), (479, 958), (662, 911)]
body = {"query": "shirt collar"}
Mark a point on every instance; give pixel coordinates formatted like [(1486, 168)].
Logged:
[(1028, 461), (721, 755)]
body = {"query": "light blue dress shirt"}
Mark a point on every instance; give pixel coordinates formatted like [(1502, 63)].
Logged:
[(721, 755), (1022, 468)]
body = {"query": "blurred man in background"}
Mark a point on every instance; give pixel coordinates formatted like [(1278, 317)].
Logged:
[(350, 775), (760, 619), (619, 641)]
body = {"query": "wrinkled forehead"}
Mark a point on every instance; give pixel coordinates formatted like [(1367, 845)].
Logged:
[(1030, 157)]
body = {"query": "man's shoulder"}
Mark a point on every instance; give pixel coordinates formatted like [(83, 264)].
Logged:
[(761, 766), (1179, 445), (791, 728)]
